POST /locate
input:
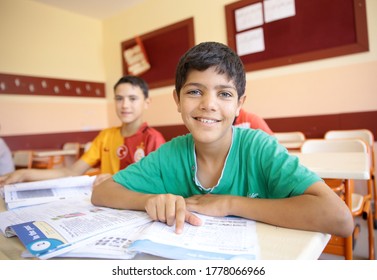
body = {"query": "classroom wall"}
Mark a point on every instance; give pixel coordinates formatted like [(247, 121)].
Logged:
[(37, 40), (43, 41), (328, 86)]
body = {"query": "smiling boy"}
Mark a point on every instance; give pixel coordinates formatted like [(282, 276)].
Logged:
[(218, 169), (114, 148)]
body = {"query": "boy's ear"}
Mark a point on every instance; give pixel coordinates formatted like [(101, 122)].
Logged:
[(241, 101), (176, 99), (147, 102)]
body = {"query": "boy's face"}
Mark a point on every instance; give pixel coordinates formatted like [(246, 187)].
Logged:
[(130, 103), (208, 105)]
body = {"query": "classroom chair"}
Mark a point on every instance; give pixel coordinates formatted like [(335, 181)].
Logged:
[(361, 204), (291, 140), (59, 161), (22, 159), (367, 136), (71, 159)]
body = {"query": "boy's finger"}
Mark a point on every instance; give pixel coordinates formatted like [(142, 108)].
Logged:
[(180, 215), (170, 211), (192, 219)]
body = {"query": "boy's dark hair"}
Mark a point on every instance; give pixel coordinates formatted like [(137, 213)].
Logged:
[(135, 81), (209, 54)]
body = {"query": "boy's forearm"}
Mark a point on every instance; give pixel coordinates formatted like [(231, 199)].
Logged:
[(301, 212), (114, 195)]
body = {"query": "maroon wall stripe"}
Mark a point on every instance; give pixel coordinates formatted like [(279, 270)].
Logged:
[(311, 126)]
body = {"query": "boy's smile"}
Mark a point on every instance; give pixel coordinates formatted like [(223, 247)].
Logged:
[(208, 103)]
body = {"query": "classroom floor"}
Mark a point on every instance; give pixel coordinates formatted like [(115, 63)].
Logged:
[(361, 247)]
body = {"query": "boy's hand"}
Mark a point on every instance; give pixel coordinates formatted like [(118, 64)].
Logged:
[(13, 177), (170, 209), (210, 204)]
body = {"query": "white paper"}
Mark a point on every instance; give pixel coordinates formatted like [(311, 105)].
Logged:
[(76, 228), (249, 17), (32, 193), (50, 239), (112, 245), (278, 9), (251, 41), (215, 238)]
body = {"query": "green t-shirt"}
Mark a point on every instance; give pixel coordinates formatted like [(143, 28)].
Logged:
[(257, 166)]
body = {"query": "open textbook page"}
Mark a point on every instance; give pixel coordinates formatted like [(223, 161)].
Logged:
[(32, 193), (76, 228), (51, 229), (112, 245), (217, 238)]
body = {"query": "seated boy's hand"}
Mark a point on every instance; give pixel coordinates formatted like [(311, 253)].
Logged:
[(170, 209), (10, 178), (209, 204)]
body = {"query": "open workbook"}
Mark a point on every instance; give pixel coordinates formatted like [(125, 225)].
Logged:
[(38, 192), (76, 228)]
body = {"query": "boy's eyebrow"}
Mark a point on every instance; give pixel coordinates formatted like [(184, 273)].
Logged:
[(126, 95), (217, 86), (192, 84)]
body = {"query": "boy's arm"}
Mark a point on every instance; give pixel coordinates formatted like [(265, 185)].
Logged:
[(111, 194), (29, 175), (318, 209), (167, 208)]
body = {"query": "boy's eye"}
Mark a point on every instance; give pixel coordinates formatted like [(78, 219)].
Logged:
[(225, 94), (118, 98), (194, 92)]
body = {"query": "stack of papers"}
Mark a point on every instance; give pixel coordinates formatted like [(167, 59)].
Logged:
[(33, 193)]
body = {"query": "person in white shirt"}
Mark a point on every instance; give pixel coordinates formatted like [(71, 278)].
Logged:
[(6, 160)]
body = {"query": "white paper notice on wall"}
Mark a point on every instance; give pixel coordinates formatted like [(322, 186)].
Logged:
[(278, 9), (136, 59), (249, 17), (251, 41)]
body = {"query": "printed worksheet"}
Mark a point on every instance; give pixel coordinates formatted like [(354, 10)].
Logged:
[(216, 238), (38, 192)]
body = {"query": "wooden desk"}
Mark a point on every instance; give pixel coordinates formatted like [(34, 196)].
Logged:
[(348, 166), (50, 155), (53, 153), (337, 165), (276, 243)]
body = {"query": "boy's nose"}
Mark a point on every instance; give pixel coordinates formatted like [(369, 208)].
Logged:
[(125, 102), (208, 102)]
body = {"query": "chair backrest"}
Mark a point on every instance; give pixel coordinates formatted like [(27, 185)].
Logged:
[(291, 140), (87, 146), (22, 159), (363, 134), (72, 146), (334, 146), (293, 136), (70, 159)]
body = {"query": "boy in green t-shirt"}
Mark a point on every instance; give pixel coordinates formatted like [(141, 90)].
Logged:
[(218, 169)]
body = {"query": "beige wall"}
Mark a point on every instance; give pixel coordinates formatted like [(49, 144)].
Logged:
[(90, 50), (41, 41)]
